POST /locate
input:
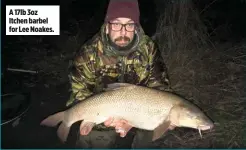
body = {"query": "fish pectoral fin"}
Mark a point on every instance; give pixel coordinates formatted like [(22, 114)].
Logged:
[(117, 86), (86, 127), (160, 130)]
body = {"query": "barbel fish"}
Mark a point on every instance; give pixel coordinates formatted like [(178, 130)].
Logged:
[(143, 107)]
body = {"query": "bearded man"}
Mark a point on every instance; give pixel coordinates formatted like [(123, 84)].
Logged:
[(120, 52)]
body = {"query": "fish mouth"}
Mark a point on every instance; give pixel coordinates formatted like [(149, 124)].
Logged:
[(204, 128)]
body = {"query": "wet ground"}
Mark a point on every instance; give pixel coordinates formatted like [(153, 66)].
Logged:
[(45, 100), (49, 98), (28, 133)]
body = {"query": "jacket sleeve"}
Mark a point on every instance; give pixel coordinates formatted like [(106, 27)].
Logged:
[(158, 76), (81, 77)]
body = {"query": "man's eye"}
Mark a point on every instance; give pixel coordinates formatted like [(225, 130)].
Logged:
[(130, 25), (116, 24)]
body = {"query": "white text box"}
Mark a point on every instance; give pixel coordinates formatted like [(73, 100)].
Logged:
[(32, 20)]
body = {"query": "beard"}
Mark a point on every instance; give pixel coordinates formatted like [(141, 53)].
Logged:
[(126, 44), (122, 41)]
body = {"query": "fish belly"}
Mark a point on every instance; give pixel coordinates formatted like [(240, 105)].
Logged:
[(141, 107)]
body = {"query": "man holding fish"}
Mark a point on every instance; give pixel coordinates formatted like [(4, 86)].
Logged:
[(122, 53)]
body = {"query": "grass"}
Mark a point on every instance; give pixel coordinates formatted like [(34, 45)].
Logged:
[(218, 89), (49, 59), (48, 55), (209, 75)]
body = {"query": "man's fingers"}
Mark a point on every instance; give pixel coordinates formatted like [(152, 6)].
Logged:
[(123, 129), (121, 126), (122, 132), (114, 122), (108, 122), (120, 123), (124, 121)]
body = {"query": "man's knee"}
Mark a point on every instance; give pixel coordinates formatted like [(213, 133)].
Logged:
[(97, 139), (143, 139)]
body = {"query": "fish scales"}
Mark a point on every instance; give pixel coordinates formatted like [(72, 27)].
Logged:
[(127, 103), (142, 107)]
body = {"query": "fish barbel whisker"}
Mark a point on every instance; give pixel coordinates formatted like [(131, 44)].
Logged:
[(210, 129), (159, 110), (200, 133)]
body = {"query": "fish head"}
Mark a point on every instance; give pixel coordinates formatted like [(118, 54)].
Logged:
[(192, 117)]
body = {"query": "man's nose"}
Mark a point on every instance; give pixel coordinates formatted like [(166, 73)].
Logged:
[(123, 31)]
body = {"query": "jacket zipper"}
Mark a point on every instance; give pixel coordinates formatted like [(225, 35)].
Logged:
[(122, 65)]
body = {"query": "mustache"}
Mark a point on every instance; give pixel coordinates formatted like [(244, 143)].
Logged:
[(122, 38)]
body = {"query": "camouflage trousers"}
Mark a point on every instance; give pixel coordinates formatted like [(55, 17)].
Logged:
[(111, 139)]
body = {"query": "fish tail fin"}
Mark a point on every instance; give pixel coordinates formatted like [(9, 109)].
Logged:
[(53, 120), (63, 132)]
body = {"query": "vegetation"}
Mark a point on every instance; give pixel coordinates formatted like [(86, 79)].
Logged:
[(207, 74)]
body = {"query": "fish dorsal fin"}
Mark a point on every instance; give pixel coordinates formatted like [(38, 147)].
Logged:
[(161, 129), (117, 86)]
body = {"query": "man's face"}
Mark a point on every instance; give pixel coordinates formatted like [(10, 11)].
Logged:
[(121, 31)]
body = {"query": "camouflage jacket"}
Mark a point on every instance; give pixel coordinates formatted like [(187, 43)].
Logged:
[(96, 64)]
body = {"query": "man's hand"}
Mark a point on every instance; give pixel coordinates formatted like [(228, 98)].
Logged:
[(121, 125)]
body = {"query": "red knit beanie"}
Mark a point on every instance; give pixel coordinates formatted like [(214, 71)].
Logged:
[(123, 8)]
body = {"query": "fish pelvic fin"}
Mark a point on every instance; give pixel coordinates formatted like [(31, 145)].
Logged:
[(63, 132), (86, 127), (53, 120), (161, 129), (117, 86)]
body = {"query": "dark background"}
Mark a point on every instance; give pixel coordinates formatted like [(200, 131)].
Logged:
[(225, 21), (214, 13)]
